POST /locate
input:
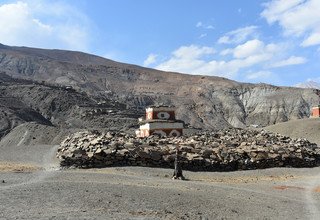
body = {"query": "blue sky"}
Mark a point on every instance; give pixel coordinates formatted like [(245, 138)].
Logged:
[(270, 41)]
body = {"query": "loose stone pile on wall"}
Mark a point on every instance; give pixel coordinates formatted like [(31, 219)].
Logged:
[(233, 149)]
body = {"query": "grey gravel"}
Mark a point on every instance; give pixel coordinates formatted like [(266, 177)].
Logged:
[(150, 193)]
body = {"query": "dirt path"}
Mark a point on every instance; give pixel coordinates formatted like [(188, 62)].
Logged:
[(146, 193), (35, 189), (39, 169), (23, 138)]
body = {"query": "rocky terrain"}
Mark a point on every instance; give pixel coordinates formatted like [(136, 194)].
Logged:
[(24, 101), (12, 110), (34, 192), (39, 108), (232, 149), (33, 187), (202, 101)]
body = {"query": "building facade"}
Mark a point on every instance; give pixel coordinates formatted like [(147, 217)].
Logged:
[(160, 120), (315, 112)]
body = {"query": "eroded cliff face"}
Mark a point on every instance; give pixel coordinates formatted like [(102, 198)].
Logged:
[(24, 101), (246, 105), (264, 104), (201, 101)]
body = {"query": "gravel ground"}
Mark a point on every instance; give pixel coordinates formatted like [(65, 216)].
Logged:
[(41, 191)]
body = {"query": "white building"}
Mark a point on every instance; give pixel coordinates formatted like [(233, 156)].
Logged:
[(160, 120)]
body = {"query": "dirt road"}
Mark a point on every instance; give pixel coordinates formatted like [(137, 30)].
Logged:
[(34, 189)]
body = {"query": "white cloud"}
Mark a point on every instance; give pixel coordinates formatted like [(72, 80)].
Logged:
[(238, 36), (275, 9), (226, 52), (312, 39), (296, 17), (199, 24), (205, 26), (259, 75), (43, 24), (186, 59), (293, 60), (152, 58), (192, 52), (202, 36), (253, 49), (249, 48), (191, 59), (224, 40)]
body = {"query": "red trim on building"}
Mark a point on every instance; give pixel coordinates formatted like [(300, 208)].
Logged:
[(167, 131), (154, 115), (163, 115), (316, 112)]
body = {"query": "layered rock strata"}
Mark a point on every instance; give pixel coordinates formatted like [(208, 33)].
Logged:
[(228, 150), (207, 102)]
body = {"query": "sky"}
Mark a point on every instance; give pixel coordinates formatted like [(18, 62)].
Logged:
[(268, 41)]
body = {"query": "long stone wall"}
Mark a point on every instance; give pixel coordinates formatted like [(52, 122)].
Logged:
[(233, 149)]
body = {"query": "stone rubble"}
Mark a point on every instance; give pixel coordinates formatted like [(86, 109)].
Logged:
[(227, 150)]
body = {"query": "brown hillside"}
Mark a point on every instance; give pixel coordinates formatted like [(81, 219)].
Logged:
[(203, 101), (304, 128)]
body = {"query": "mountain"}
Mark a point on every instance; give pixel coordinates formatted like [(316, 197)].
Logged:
[(202, 101), (24, 101), (308, 84)]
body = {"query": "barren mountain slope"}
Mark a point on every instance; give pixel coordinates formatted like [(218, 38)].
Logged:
[(13, 111), (304, 128), (202, 101), (26, 101)]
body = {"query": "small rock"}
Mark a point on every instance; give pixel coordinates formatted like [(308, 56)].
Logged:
[(155, 155)]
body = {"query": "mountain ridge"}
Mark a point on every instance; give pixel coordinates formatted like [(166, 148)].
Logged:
[(208, 102), (308, 85)]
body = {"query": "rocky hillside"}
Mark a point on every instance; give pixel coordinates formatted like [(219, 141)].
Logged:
[(27, 101), (12, 110), (202, 101), (305, 128)]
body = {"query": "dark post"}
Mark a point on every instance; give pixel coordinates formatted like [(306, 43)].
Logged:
[(177, 174)]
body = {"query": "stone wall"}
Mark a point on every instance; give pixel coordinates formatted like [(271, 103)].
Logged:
[(233, 149)]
